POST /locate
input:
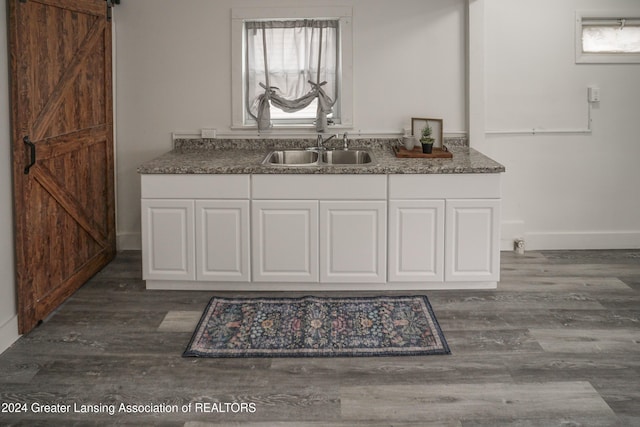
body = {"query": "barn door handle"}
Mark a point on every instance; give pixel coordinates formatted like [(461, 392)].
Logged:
[(32, 150)]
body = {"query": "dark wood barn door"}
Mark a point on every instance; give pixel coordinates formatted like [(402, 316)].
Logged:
[(62, 129)]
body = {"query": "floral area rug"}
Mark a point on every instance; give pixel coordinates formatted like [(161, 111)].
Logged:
[(317, 327)]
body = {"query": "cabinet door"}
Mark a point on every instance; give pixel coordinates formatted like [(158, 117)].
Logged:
[(473, 240), (416, 240), (222, 242), (168, 239), (353, 241), (284, 241)]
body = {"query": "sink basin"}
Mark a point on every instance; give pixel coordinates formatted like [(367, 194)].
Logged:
[(311, 157), (291, 157), (346, 157)]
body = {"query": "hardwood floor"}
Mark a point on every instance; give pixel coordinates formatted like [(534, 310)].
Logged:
[(558, 344)]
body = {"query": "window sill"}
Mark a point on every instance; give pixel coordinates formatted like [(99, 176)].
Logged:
[(286, 128)]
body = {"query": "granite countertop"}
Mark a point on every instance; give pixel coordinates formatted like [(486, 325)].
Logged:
[(234, 157)]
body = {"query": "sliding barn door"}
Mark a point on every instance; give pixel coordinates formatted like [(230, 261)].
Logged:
[(62, 127)]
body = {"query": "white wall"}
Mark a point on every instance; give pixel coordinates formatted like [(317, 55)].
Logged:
[(173, 74), (561, 190), (8, 316)]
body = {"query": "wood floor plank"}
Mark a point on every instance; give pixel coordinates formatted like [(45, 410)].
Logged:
[(492, 341), (565, 284), (152, 371), (567, 270), (568, 366), (395, 370), (588, 340), (432, 403), (180, 321), (591, 256), (511, 301), (632, 281), (621, 393), (581, 421), (446, 423), (90, 343), (18, 371), (616, 302), (538, 318)]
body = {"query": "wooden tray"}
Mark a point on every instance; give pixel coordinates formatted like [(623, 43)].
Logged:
[(416, 153)]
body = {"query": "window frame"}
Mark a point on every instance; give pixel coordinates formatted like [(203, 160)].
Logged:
[(582, 57), (240, 119)]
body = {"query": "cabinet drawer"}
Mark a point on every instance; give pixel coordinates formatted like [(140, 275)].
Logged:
[(446, 186), (319, 187), (179, 186)]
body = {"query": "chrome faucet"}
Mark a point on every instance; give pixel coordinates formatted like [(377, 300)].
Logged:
[(319, 145), (345, 142)]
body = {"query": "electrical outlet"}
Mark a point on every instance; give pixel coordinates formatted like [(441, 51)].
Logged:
[(208, 133), (594, 94)]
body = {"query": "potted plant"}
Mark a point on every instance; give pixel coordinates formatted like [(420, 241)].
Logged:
[(426, 140)]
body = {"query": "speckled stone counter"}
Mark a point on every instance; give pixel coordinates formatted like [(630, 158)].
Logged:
[(197, 156)]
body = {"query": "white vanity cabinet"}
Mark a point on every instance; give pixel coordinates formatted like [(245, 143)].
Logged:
[(194, 228), (321, 231), (444, 230), (319, 228)]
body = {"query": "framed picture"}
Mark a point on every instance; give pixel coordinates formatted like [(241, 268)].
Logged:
[(417, 124)]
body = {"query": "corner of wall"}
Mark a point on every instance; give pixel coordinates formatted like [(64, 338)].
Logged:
[(475, 51), (131, 241), (9, 333)]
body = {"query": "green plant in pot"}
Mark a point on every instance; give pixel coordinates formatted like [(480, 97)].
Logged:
[(426, 139)]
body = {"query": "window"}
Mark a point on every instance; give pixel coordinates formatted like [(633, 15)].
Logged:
[(308, 62), (605, 38), (290, 66)]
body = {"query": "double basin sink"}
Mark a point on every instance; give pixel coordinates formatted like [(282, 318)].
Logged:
[(306, 157)]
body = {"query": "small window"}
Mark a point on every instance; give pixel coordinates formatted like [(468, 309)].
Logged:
[(604, 38), (304, 57), (290, 65)]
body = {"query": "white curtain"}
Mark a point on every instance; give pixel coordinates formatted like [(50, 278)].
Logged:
[(290, 64)]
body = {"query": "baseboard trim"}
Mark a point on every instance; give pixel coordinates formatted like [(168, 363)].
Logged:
[(9, 333), (582, 240)]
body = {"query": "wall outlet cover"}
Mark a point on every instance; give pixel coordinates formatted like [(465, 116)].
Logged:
[(208, 133)]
